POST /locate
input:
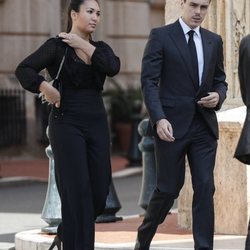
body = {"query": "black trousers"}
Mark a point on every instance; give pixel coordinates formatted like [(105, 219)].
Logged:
[(199, 145), (80, 142)]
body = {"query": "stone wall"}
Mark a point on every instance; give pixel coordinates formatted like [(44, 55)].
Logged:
[(125, 25), (24, 25)]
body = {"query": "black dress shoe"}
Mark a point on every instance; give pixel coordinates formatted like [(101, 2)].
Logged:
[(247, 244), (157, 210), (138, 247)]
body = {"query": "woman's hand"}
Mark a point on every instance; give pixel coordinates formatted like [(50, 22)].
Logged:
[(73, 40), (50, 94), (83, 48)]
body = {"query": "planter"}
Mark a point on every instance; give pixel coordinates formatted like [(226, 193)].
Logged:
[(123, 132)]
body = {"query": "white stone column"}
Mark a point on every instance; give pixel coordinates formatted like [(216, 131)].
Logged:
[(127, 26), (232, 195), (172, 10)]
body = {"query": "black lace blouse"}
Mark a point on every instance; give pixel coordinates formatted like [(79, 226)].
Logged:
[(75, 72)]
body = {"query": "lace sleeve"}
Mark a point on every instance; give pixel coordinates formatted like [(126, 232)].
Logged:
[(105, 60), (27, 72)]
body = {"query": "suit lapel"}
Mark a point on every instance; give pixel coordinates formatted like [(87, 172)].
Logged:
[(207, 51), (179, 39)]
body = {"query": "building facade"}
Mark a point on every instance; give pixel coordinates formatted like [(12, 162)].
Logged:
[(125, 25), (26, 24)]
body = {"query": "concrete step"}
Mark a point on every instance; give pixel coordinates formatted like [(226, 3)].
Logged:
[(34, 239), (7, 246)]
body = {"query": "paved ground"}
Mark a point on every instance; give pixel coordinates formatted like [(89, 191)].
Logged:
[(22, 199), (20, 210), (38, 168), (22, 202)]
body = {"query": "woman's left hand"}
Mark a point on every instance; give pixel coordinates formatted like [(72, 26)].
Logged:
[(73, 40)]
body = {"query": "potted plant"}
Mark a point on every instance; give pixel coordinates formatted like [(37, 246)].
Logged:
[(123, 105)]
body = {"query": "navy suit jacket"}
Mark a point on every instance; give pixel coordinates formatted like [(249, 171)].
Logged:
[(167, 82)]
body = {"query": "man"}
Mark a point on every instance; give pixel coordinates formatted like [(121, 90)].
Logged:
[(183, 84), (242, 152)]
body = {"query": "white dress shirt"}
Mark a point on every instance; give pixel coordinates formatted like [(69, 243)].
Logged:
[(198, 45)]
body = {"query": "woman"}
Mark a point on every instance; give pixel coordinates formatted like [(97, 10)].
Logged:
[(78, 128)]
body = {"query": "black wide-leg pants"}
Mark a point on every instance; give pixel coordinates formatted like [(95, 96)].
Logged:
[(80, 142)]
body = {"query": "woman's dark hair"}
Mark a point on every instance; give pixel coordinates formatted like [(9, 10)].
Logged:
[(74, 5)]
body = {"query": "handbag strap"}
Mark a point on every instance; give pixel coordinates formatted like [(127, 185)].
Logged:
[(61, 64)]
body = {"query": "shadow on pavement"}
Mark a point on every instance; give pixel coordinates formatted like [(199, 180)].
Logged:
[(9, 238), (25, 198)]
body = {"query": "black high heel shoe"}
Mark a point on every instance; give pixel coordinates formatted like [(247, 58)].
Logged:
[(57, 242)]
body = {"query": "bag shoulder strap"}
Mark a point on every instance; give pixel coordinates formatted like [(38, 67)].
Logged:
[(61, 64)]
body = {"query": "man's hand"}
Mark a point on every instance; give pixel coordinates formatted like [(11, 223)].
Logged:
[(164, 130), (209, 101)]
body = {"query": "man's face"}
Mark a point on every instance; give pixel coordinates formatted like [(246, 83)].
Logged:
[(194, 12)]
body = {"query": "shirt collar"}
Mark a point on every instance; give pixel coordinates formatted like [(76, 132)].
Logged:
[(186, 28)]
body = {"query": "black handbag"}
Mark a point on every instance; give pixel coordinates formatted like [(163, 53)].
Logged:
[(56, 81)]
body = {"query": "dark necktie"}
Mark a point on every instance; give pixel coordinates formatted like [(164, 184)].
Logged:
[(194, 58)]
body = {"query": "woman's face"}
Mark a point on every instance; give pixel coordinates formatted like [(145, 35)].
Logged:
[(87, 18)]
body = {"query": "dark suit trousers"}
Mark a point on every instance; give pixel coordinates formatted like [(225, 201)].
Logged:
[(81, 146), (199, 145)]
